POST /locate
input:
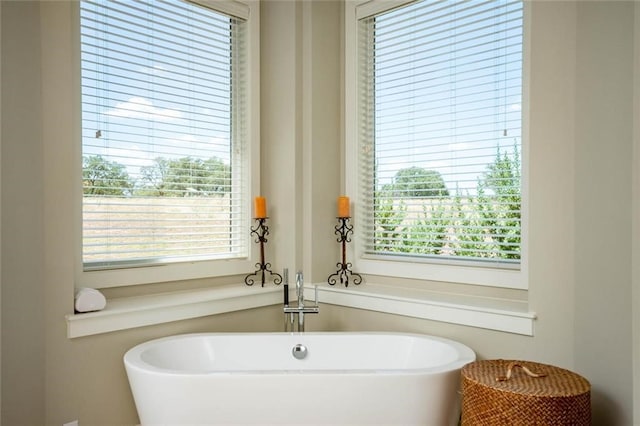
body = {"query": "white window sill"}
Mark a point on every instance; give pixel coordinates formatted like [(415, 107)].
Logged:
[(493, 314), (131, 312)]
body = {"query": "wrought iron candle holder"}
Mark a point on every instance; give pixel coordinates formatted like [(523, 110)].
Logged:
[(344, 272), (261, 230)]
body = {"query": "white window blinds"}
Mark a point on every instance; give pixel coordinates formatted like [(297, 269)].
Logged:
[(439, 110), (163, 133)]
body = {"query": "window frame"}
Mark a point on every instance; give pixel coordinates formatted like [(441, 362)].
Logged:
[(430, 269), (187, 270)]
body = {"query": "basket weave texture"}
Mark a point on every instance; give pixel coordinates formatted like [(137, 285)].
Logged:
[(555, 397)]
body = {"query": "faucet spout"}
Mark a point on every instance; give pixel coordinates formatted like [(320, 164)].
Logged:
[(300, 289), (300, 292)]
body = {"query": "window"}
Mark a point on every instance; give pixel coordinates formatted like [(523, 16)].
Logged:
[(439, 139), (166, 152)]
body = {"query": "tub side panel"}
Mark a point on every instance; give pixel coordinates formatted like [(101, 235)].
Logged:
[(298, 398)]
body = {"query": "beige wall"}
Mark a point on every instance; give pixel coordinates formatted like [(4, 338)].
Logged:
[(580, 269), (636, 223), (301, 131), (23, 357), (0, 214), (281, 130), (603, 158)]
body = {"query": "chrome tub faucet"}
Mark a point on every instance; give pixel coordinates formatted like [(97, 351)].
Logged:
[(300, 309)]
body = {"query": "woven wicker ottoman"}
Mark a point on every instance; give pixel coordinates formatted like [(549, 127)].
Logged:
[(507, 392)]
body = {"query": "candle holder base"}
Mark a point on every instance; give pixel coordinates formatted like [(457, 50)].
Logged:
[(262, 269), (343, 274)]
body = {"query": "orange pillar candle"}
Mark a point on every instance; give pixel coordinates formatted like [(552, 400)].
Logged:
[(260, 208), (343, 207)]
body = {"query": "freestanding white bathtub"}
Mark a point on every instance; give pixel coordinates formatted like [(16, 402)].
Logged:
[(297, 378)]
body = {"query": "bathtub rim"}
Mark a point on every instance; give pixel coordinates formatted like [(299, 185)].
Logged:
[(133, 356)]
